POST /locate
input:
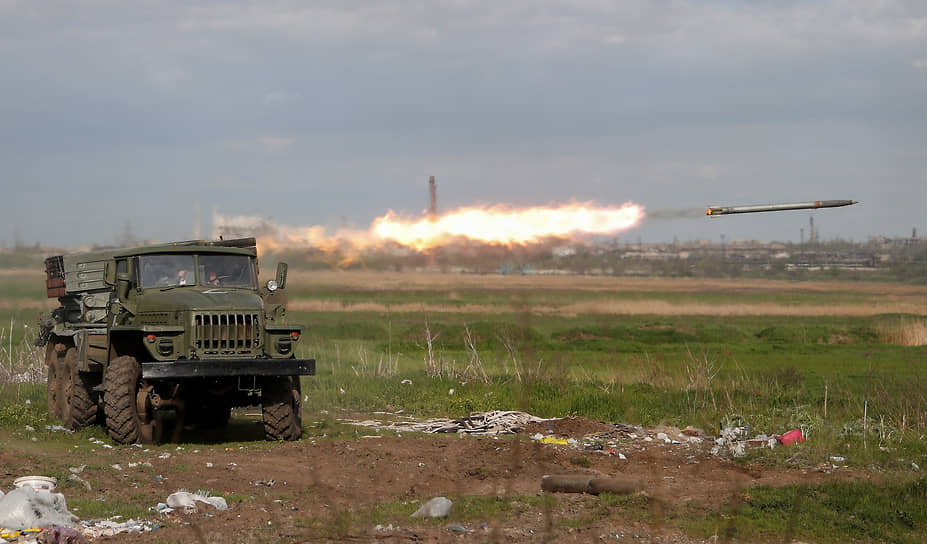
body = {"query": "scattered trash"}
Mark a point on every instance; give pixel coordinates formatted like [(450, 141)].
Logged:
[(39, 483), (63, 535), (26, 507), (554, 440), (109, 527), (30, 428), (838, 459), (735, 429), (791, 437), (187, 501), (478, 423), (691, 431), (57, 429), (81, 481), (455, 528), (266, 483), (438, 507), (165, 455)]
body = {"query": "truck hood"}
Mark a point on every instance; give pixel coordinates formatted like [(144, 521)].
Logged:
[(198, 298)]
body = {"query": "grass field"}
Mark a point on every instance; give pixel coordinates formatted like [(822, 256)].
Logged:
[(845, 362)]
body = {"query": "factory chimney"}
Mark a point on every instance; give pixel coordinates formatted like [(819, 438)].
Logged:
[(433, 199)]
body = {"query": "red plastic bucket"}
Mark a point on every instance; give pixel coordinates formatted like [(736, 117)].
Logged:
[(791, 437)]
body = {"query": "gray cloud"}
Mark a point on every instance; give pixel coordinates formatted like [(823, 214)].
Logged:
[(330, 109)]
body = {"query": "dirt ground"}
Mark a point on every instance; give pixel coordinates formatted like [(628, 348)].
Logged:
[(324, 490)]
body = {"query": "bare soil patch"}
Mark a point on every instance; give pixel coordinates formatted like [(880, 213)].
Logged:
[(321, 490)]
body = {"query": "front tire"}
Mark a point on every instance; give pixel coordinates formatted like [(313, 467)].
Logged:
[(281, 408), (128, 419)]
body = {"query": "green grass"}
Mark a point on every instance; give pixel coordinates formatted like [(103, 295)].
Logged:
[(101, 508), (832, 376), (862, 511)]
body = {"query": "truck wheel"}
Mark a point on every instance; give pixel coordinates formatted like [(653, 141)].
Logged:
[(80, 406), (281, 408), (128, 420), (55, 393)]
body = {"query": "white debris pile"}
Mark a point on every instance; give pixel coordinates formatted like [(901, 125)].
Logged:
[(607, 441), (27, 507), (186, 502), (478, 423), (111, 527), (438, 507), (734, 441)]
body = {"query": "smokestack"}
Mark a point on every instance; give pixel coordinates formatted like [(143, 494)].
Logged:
[(433, 199), (811, 239)]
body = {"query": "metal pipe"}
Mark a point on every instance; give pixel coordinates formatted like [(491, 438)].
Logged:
[(726, 210)]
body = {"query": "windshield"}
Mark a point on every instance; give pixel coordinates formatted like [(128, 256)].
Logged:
[(226, 271), (166, 270), (180, 270)]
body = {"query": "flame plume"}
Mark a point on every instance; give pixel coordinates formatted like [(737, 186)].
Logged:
[(488, 224), (507, 226)]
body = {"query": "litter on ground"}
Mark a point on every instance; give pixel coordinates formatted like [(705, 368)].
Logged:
[(477, 423)]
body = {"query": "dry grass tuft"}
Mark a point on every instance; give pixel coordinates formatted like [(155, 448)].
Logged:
[(907, 332), (23, 363)]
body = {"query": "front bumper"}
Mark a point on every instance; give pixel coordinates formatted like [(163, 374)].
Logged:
[(213, 368)]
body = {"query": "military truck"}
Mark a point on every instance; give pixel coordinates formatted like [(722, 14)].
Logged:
[(162, 336)]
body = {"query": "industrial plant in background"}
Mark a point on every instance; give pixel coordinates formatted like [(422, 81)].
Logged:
[(571, 238)]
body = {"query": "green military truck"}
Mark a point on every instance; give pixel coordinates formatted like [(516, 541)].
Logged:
[(175, 334)]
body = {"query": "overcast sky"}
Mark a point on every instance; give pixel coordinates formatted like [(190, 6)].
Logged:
[(307, 112)]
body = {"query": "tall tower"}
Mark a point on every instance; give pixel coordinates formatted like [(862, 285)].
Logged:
[(433, 199)]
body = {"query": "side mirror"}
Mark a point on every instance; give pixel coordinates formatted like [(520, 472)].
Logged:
[(281, 275), (109, 273)]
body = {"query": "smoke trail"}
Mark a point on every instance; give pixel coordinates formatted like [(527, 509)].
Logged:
[(675, 213)]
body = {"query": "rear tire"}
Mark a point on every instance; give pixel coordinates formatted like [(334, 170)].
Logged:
[(80, 405), (281, 408), (121, 405)]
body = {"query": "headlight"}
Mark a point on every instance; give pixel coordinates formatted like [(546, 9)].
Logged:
[(165, 346), (271, 285)]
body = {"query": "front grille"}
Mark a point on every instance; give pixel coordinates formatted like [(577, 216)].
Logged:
[(226, 332)]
